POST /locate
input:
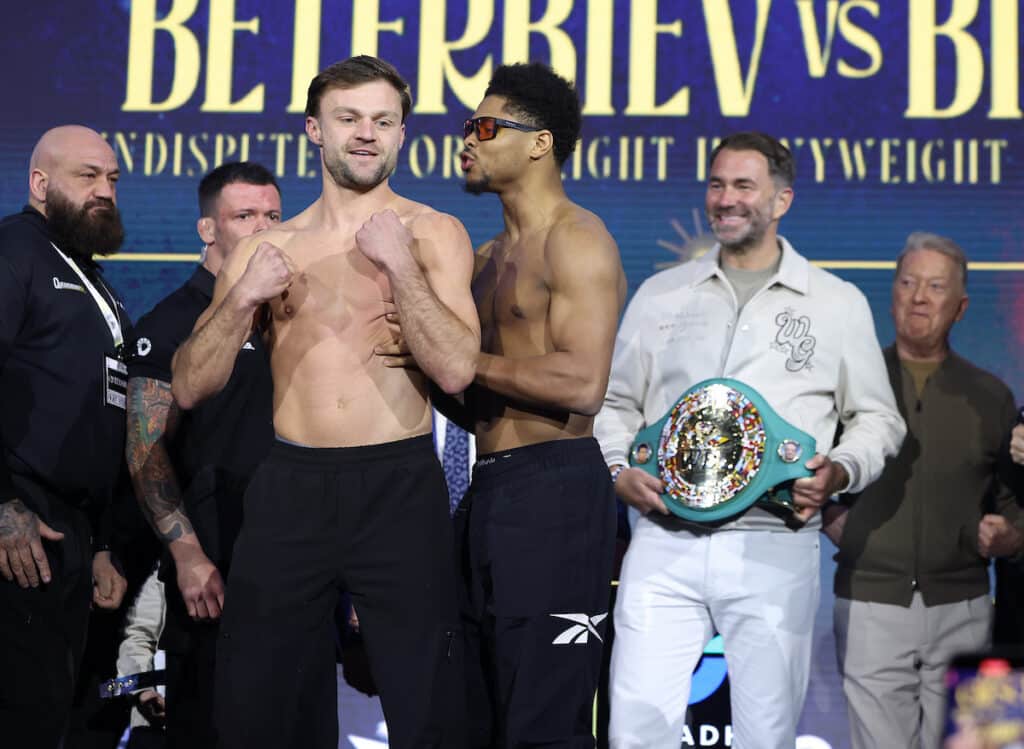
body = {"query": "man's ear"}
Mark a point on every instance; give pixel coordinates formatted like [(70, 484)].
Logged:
[(783, 200), (313, 131), (38, 182), (543, 142), (961, 309), (204, 226)]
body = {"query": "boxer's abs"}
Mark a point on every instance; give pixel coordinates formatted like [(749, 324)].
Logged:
[(330, 389)]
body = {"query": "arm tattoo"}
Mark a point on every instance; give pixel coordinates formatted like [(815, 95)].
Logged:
[(152, 418)]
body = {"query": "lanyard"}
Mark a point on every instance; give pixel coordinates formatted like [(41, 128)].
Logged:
[(109, 314)]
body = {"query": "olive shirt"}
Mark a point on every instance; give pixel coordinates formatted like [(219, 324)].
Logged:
[(916, 527)]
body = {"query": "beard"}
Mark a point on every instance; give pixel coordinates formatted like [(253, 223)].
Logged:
[(344, 176), (755, 231), (478, 186), (83, 231)]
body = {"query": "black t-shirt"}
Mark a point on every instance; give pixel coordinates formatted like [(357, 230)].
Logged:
[(56, 425), (218, 444)]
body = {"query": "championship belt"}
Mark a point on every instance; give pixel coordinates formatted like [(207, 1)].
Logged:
[(720, 449)]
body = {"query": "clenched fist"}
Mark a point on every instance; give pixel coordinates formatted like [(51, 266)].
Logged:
[(385, 240), (269, 272)]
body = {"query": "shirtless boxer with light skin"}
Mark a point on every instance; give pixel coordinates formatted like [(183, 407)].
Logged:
[(352, 495)]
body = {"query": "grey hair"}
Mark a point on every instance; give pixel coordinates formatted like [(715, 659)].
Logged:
[(923, 240)]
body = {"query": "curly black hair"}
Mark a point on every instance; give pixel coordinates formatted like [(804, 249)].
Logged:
[(542, 98)]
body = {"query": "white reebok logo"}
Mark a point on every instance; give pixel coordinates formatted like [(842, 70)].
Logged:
[(247, 346), (579, 632)]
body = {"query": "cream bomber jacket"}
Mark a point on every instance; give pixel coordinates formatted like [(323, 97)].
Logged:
[(806, 342)]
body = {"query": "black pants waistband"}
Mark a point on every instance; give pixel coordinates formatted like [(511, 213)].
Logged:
[(412, 447), (537, 457)]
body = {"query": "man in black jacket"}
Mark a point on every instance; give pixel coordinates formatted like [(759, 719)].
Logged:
[(912, 583), (190, 468), (62, 411)]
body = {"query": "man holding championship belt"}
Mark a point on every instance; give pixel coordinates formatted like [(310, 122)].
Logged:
[(730, 375)]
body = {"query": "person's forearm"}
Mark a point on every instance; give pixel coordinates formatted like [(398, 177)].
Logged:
[(160, 497), (150, 409), (203, 364), (444, 347), (557, 380)]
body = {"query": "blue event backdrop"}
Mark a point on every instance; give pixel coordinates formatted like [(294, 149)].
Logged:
[(903, 115)]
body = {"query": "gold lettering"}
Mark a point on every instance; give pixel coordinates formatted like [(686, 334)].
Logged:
[(305, 51), (661, 145), (430, 151), (593, 149), (220, 54), (366, 26), (600, 29), (195, 150), (623, 158), (176, 152), (281, 141), (305, 156), (995, 148), (852, 155), (817, 58), (933, 170), (911, 146), (734, 91), (224, 147), (819, 148), (889, 161), (965, 161), (451, 165), (643, 63), (860, 39), (1005, 52), (705, 147), (436, 66), (516, 38), (124, 151), (158, 144), (142, 29), (970, 67)]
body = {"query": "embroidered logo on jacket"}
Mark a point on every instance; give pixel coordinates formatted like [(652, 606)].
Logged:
[(794, 339), (65, 286)]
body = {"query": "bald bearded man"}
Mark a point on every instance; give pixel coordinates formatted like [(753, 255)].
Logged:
[(62, 427)]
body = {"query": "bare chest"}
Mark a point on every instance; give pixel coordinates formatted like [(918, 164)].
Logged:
[(510, 288), (334, 293)]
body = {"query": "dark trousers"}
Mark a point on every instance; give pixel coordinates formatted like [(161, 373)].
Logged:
[(42, 630), (191, 646), (374, 521), (537, 536), (1008, 623), (190, 679)]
